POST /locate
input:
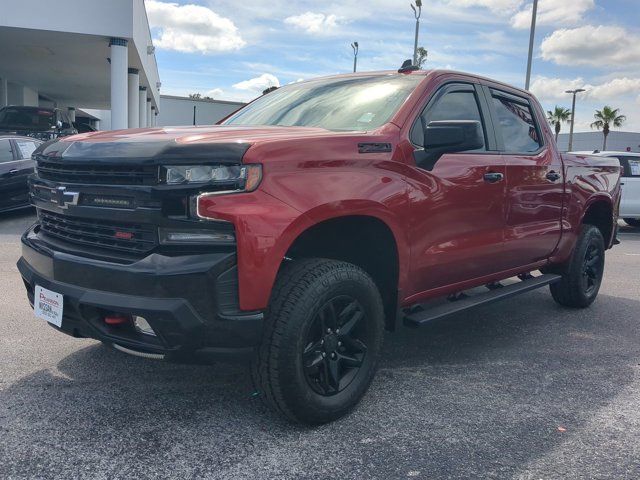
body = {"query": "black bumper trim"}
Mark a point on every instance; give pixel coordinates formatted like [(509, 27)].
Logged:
[(169, 296)]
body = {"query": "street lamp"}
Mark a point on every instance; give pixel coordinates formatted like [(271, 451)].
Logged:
[(573, 114), (354, 45), (417, 10), (532, 35)]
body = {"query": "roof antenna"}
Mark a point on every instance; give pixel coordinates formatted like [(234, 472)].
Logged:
[(408, 66)]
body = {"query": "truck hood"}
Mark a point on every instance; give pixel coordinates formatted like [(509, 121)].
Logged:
[(220, 143)]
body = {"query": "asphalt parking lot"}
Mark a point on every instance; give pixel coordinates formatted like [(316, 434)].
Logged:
[(521, 389)]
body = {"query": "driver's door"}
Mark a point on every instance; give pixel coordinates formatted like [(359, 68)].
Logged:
[(458, 206)]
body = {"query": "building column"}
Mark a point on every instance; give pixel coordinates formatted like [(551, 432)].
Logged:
[(134, 109), (142, 107), (71, 111), (119, 61), (153, 116), (149, 112), (4, 92)]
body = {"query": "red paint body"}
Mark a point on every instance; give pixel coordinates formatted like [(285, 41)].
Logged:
[(452, 229)]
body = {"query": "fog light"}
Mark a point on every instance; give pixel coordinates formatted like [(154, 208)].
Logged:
[(142, 326)]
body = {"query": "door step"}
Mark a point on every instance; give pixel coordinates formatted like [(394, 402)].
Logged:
[(421, 317)]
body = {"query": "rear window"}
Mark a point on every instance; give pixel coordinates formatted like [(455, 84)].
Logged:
[(630, 165), (516, 122)]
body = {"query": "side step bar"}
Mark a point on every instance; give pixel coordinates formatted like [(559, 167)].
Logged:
[(420, 318)]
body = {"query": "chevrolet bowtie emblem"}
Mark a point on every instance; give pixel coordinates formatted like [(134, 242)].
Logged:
[(62, 198)]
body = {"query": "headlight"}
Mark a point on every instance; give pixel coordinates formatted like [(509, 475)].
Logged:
[(236, 177)]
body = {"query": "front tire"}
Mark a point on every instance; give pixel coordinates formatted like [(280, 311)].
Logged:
[(583, 275), (322, 340)]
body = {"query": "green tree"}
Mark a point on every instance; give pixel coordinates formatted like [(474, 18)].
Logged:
[(557, 117), (606, 118), (423, 53), (199, 96)]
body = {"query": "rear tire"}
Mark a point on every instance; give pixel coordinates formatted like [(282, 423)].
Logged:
[(322, 340), (582, 277), (633, 222)]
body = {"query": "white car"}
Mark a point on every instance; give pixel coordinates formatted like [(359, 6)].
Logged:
[(630, 181)]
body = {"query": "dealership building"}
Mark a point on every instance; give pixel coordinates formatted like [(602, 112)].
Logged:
[(590, 141), (94, 58)]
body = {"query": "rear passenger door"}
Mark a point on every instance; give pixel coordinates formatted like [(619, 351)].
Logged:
[(535, 183)]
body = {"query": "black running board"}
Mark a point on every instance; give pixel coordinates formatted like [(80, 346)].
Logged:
[(420, 318)]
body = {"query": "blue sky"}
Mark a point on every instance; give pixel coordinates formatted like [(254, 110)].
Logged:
[(232, 50)]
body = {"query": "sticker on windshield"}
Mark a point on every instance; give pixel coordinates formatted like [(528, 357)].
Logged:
[(366, 117)]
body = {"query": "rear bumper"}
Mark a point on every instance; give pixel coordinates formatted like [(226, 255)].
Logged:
[(190, 300)]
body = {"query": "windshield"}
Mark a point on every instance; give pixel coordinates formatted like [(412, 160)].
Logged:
[(351, 103), (27, 118)]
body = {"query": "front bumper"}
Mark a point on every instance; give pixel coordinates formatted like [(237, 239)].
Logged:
[(191, 301)]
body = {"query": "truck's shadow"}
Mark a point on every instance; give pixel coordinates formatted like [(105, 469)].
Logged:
[(479, 395)]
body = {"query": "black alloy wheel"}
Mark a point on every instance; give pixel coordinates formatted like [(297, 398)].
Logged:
[(592, 268), (335, 346)]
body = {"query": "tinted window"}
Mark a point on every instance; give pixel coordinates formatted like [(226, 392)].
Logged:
[(26, 148), (351, 103), (631, 166), (516, 122), (27, 118), (454, 105), (6, 155)]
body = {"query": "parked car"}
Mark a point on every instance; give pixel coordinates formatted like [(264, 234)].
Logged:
[(38, 122), (630, 203), (309, 221), (15, 166)]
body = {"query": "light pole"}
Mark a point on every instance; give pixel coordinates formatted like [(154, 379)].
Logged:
[(532, 36), (417, 10), (354, 45), (573, 114)]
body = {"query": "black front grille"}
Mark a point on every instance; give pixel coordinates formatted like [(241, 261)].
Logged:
[(124, 237), (96, 173)]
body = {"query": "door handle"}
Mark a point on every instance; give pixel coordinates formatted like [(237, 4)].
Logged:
[(13, 172), (553, 176), (493, 177)]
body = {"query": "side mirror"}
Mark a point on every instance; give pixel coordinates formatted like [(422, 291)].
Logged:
[(448, 136)]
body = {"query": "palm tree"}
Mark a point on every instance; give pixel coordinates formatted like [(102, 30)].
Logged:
[(557, 117), (606, 117)]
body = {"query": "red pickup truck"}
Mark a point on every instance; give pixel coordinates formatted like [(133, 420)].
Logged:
[(304, 225)]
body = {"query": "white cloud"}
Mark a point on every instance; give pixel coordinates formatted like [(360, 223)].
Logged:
[(548, 89), (192, 28), (597, 46), (216, 93), (497, 6), (553, 12), (313, 23), (258, 84), (550, 12)]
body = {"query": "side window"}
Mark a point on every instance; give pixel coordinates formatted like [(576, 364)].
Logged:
[(26, 148), (454, 105), (6, 154), (517, 124)]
